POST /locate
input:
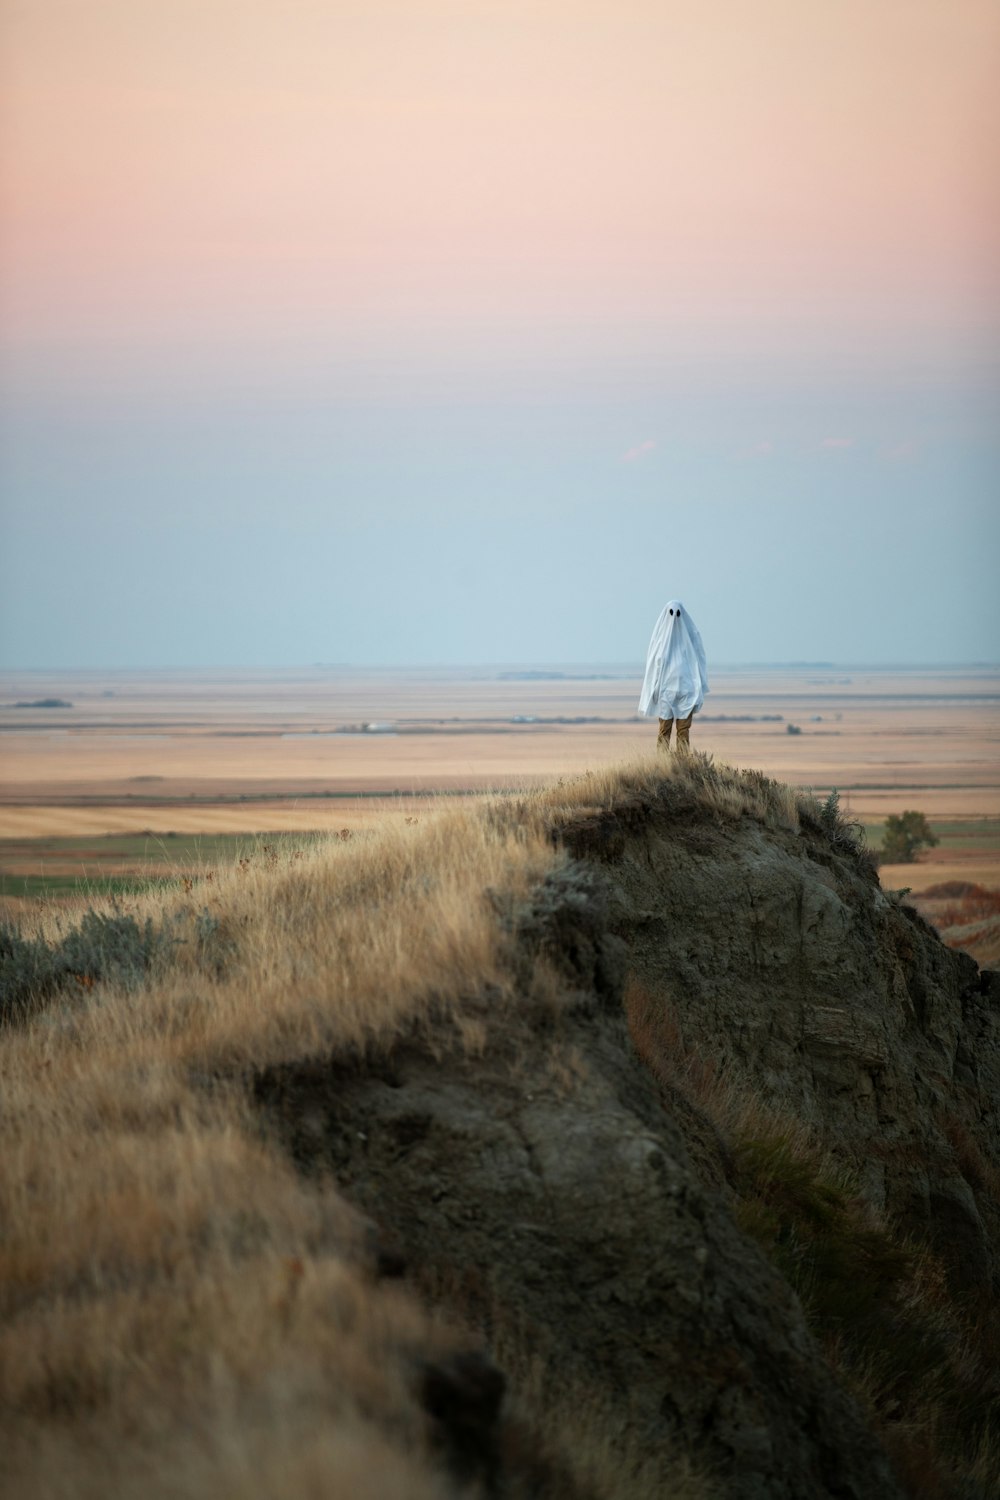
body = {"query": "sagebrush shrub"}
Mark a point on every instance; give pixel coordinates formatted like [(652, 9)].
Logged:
[(105, 947)]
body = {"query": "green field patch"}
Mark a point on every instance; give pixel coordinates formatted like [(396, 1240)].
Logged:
[(976, 836), (957, 836), (155, 848), (35, 887), (127, 864)]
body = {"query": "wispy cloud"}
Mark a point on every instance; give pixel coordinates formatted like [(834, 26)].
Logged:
[(837, 442), (640, 451), (900, 452), (756, 450)]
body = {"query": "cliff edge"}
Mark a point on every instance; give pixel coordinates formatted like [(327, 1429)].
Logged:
[(721, 1160)]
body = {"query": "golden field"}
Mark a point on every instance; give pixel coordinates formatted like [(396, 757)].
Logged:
[(210, 753)]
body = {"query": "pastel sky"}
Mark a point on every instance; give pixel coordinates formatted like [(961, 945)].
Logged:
[(392, 331)]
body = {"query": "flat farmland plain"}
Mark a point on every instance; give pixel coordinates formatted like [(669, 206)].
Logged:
[(158, 756)]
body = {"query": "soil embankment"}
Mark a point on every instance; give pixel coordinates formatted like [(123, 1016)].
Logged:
[(584, 1199)]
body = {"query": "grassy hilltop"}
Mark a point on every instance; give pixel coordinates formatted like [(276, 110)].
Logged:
[(615, 1140)]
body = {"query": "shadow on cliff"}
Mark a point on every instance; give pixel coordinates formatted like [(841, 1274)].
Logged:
[(715, 1168)]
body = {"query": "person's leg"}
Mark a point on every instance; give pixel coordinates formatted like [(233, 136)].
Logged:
[(663, 738), (684, 733)]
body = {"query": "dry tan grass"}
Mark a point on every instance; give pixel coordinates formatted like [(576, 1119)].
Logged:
[(182, 1311), (176, 1298), (695, 782), (322, 947), (735, 1108), (284, 1376), (585, 1438), (158, 1258)]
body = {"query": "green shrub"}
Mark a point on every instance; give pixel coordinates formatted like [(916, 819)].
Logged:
[(845, 834), (829, 813), (105, 948), (906, 833)]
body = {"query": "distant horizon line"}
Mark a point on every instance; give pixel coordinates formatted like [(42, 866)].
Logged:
[(545, 665)]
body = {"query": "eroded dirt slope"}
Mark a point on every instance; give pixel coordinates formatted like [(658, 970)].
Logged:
[(536, 1180), (532, 1169), (783, 961)]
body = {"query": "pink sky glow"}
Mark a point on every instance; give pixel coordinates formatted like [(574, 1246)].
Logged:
[(468, 176), (469, 330)]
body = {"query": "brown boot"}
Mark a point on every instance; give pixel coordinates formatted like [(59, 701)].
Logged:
[(663, 738)]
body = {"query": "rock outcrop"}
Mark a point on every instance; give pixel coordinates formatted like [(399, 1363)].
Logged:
[(522, 1164), (782, 960)]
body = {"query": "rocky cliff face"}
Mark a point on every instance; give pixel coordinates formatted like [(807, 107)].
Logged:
[(522, 1163), (784, 962)]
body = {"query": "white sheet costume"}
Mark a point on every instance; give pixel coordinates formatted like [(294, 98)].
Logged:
[(676, 679)]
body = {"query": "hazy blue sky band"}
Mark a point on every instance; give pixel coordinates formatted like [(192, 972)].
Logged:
[(473, 332)]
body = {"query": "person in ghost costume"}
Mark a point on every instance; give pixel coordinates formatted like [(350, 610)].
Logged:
[(676, 679)]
